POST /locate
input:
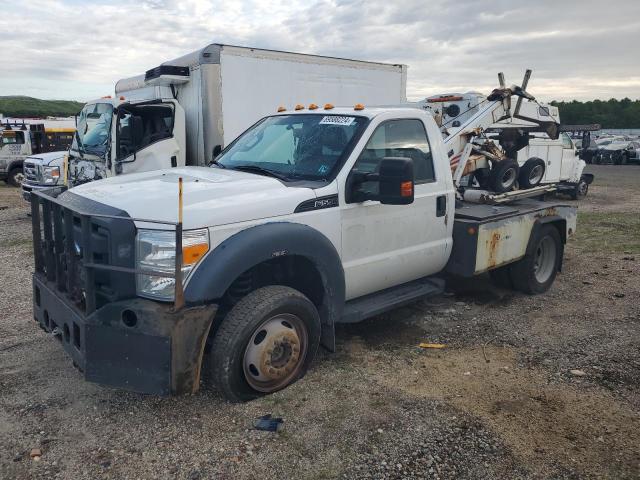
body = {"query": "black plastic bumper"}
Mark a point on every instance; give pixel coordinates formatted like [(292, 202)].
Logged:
[(137, 344)]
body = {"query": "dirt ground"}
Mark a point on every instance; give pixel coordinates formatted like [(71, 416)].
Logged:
[(500, 401)]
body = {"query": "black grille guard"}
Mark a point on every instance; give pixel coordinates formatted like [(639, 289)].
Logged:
[(56, 256)]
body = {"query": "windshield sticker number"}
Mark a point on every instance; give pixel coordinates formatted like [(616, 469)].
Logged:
[(335, 120)]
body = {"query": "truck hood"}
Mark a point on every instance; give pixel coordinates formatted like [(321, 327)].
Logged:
[(51, 159), (211, 196)]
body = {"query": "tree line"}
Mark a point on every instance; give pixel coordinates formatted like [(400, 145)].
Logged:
[(612, 113)]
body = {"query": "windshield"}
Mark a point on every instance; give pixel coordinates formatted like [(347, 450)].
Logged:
[(94, 129), (295, 146)]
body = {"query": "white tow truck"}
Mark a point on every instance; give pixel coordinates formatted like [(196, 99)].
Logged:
[(538, 159), (184, 111), (312, 217)]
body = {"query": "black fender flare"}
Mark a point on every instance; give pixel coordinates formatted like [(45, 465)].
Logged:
[(260, 243)]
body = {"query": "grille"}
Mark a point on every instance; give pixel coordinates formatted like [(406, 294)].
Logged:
[(89, 256)]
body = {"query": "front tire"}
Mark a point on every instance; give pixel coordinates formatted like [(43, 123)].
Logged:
[(580, 190), (537, 270), (503, 175), (16, 177), (265, 343), (531, 173)]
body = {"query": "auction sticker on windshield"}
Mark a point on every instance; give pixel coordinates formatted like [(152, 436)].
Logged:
[(335, 120)]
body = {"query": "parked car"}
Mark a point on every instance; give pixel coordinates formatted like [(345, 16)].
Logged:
[(618, 152)]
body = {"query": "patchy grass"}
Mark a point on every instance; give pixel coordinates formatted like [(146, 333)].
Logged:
[(608, 232)]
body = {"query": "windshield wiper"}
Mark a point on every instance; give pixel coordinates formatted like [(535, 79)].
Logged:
[(217, 164), (260, 171)]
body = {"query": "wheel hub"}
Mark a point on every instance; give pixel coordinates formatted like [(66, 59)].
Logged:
[(275, 353), (545, 260)]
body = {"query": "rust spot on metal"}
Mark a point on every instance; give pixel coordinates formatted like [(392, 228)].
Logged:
[(547, 212), (494, 245)]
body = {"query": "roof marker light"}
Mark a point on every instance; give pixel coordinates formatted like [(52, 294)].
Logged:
[(299, 107), (121, 98), (358, 106), (313, 106), (328, 106), (281, 109)]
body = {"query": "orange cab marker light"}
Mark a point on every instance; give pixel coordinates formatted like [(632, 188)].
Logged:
[(446, 98), (328, 106), (107, 96), (313, 106), (281, 109), (406, 189), (358, 106), (192, 253), (299, 107), (121, 98)]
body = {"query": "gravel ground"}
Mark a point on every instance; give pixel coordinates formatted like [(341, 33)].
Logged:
[(500, 401)]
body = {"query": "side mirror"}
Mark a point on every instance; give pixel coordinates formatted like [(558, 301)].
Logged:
[(395, 183), (216, 151)]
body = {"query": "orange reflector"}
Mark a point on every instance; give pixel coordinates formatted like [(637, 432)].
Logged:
[(328, 106), (313, 106), (358, 106), (107, 96), (121, 98), (471, 230), (192, 253), (406, 189), (282, 109), (446, 98), (55, 173), (299, 107)]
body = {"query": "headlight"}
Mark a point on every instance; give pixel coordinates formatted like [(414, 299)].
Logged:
[(156, 250), (50, 175)]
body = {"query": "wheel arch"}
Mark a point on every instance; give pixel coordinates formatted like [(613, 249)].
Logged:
[(274, 243)]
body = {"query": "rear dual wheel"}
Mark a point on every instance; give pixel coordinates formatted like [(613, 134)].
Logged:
[(536, 271), (265, 343)]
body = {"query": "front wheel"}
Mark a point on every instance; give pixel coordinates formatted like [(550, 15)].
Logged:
[(537, 270), (16, 177), (580, 190), (265, 343), (503, 175)]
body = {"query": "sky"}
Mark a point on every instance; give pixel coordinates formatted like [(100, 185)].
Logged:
[(78, 49)]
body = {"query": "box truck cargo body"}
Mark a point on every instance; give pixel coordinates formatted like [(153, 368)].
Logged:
[(182, 111)]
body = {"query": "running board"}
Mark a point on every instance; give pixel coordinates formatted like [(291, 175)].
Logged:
[(373, 304)]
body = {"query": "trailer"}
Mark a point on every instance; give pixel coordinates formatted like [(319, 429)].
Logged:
[(184, 111)]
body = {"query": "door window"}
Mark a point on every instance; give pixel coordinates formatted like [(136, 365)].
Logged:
[(405, 138), (141, 125), (12, 137), (566, 141)]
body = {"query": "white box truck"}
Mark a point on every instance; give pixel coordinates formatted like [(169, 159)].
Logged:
[(182, 111)]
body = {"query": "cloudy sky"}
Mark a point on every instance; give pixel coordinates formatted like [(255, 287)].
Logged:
[(77, 49)]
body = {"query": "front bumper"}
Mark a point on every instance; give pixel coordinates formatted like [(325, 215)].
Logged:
[(136, 344), (28, 187)]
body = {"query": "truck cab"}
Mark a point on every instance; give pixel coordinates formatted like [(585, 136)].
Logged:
[(312, 217), (116, 136)]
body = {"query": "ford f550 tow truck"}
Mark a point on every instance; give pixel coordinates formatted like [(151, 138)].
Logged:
[(310, 218)]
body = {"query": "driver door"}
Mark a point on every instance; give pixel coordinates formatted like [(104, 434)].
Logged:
[(149, 136), (387, 245)]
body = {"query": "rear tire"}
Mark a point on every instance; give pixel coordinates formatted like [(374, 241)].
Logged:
[(16, 177), (531, 173), (503, 175), (264, 344), (537, 270)]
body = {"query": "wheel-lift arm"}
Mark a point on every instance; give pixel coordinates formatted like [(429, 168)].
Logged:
[(468, 147)]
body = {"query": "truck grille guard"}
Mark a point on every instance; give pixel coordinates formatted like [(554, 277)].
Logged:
[(72, 266)]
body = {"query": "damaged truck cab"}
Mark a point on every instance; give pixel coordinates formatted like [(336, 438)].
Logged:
[(310, 218)]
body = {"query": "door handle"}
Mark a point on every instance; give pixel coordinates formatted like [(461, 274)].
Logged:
[(441, 206)]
